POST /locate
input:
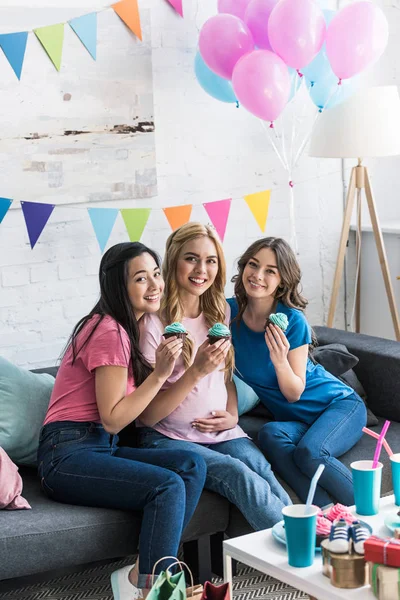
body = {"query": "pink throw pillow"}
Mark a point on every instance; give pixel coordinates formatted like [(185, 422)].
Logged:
[(10, 484)]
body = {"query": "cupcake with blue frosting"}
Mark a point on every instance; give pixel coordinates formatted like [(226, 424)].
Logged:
[(175, 330), (219, 331), (278, 319)]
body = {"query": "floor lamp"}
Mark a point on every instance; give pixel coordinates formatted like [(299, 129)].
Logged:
[(366, 125)]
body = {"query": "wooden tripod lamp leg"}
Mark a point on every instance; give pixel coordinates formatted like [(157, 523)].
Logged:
[(382, 256), (342, 246)]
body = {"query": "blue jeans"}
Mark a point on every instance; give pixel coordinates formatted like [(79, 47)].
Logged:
[(237, 470), (296, 449), (80, 463)]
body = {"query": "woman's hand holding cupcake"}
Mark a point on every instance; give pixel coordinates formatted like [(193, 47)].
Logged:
[(276, 339), (167, 354), (210, 356)]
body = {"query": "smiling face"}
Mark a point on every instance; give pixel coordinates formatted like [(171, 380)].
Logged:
[(260, 276), (145, 284), (197, 266)]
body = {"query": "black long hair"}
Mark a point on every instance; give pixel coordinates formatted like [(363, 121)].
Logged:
[(114, 301)]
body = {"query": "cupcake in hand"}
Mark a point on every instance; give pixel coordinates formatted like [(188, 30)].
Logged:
[(278, 319), (219, 331), (175, 329)]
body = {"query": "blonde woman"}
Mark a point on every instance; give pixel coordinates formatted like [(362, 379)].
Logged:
[(196, 408)]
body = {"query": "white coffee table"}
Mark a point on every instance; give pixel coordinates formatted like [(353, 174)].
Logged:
[(261, 551)]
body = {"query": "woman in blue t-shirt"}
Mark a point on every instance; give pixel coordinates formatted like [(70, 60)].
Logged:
[(317, 417)]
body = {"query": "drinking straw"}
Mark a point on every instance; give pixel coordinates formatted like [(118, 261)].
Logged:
[(313, 487), (376, 435), (379, 444)]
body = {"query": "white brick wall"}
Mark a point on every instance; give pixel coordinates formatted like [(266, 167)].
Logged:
[(205, 151)]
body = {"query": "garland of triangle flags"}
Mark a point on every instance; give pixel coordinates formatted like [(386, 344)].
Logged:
[(51, 37), (37, 214)]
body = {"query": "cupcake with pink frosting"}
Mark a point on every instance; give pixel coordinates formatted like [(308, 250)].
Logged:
[(339, 511)]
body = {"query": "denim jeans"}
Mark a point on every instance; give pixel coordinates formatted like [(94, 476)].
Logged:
[(237, 470), (296, 449), (80, 463)]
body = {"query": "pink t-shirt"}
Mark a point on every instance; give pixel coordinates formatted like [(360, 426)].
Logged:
[(74, 395), (208, 395)]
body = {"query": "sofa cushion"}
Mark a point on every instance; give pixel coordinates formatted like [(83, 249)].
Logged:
[(54, 535), (336, 359), (24, 398), (246, 397)]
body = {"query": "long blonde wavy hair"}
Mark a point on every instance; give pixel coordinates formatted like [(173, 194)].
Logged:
[(212, 302)]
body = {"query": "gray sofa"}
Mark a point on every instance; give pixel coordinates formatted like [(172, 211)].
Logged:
[(53, 536)]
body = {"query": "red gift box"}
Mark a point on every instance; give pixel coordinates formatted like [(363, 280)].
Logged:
[(385, 551)]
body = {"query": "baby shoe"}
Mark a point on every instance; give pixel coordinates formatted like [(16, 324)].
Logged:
[(359, 534), (122, 588), (339, 537)]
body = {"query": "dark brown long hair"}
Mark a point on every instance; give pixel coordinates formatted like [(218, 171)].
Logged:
[(289, 290), (114, 301)]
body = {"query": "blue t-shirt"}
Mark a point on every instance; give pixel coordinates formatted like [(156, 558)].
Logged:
[(254, 366)]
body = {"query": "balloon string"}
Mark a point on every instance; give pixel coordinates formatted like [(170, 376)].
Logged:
[(292, 218), (268, 130), (299, 83), (317, 116), (299, 120), (284, 141)]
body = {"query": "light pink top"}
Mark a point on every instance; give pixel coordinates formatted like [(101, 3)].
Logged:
[(74, 395), (208, 395)]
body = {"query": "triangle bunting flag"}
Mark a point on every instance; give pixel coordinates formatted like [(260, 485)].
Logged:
[(128, 11), (103, 220), (178, 215), (219, 213), (177, 4), (135, 220), (5, 204), (13, 46), (36, 215), (259, 206), (52, 38), (85, 28)]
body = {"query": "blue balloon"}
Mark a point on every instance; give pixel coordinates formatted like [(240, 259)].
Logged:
[(327, 93), (217, 87), (319, 67)]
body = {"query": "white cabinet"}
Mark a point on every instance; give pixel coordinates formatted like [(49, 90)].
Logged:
[(375, 317)]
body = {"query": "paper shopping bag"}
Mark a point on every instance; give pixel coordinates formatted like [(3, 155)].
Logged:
[(168, 586), (215, 592)]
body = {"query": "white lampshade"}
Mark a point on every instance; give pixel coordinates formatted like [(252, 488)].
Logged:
[(368, 124)]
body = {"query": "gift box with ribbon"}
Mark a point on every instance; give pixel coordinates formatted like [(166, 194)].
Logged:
[(385, 582), (384, 551)]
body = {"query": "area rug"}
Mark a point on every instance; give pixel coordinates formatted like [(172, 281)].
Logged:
[(94, 584)]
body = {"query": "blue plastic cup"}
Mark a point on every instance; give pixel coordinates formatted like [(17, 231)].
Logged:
[(395, 464), (301, 531), (366, 486)]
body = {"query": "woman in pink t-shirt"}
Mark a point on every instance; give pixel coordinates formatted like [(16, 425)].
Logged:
[(103, 384), (196, 408)]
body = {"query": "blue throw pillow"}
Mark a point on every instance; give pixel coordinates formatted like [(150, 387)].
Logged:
[(247, 398), (24, 398)]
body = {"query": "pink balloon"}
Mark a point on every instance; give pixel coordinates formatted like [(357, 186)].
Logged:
[(223, 40), (261, 83), (233, 7), (296, 31), (356, 37), (256, 18)]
